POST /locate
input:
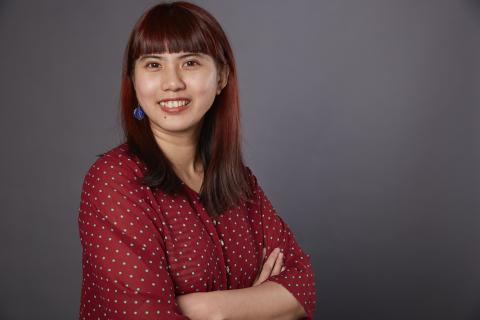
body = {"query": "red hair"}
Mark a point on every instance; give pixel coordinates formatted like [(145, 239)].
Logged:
[(175, 27)]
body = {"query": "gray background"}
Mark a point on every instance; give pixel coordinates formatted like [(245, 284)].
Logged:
[(360, 120)]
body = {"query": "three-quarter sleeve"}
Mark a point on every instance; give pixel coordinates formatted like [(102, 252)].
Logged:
[(298, 276), (125, 270)]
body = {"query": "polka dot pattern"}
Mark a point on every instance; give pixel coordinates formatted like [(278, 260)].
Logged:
[(142, 247)]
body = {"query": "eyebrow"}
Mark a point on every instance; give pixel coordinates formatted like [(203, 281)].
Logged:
[(162, 58)]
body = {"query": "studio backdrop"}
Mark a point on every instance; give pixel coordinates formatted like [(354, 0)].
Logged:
[(360, 119)]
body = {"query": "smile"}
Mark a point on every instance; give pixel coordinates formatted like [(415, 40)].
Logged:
[(175, 106), (174, 103)]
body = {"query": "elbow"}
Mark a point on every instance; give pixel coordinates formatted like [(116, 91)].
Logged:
[(300, 312)]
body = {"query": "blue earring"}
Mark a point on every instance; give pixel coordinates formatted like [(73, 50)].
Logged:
[(138, 113)]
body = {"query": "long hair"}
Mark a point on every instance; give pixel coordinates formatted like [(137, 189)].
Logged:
[(175, 27)]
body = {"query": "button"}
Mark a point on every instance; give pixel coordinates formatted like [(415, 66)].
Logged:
[(221, 241), (228, 270), (214, 222)]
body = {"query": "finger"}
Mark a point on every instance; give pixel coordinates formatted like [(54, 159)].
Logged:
[(268, 265), (264, 252), (278, 264)]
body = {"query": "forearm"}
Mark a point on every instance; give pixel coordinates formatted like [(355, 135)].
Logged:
[(269, 300)]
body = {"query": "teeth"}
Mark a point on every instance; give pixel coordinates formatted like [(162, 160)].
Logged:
[(174, 104)]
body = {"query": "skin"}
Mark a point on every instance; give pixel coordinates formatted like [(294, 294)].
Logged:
[(273, 266), (169, 75)]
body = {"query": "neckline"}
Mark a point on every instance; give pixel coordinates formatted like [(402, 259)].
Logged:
[(190, 189)]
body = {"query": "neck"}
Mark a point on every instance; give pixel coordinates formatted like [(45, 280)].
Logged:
[(180, 148)]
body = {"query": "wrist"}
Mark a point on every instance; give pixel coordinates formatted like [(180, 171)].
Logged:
[(215, 303)]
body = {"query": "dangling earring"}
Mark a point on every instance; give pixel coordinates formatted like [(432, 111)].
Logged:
[(138, 113)]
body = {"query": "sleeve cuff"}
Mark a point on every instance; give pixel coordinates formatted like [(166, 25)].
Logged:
[(299, 286)]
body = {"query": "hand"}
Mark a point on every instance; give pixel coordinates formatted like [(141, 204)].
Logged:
[(271, 267)]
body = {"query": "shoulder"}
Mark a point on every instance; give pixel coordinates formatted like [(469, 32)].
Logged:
[(116, 166), (254, 185), (251, 176), (112, 188)]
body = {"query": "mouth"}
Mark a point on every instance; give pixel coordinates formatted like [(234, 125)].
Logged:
[(174, 106)]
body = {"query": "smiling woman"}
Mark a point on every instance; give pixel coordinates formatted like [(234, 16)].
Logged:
[(173, 224), (159, 79), (179, 51)]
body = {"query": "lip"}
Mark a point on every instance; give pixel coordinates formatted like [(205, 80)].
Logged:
[(175, 110), (173, 99)]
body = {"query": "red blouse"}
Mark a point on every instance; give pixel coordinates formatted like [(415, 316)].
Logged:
[(142, 248)]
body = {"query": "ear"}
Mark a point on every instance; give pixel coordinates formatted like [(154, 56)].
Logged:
[(223, 78)]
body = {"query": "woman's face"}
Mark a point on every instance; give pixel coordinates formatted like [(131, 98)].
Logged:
[(188, 76)]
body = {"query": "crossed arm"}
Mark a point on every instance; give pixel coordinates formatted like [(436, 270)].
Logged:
[(269, 300)]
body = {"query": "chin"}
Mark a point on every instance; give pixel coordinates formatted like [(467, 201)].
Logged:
[(176, 126)]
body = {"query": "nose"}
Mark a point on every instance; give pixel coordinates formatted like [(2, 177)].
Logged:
[(172, 80)]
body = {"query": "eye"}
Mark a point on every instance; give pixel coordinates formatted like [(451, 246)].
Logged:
[(152, 63), (192, 63)]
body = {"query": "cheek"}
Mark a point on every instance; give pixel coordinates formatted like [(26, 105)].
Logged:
[(204, 84), (145, 87)]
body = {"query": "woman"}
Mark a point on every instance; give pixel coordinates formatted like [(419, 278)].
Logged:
[(172, 224)]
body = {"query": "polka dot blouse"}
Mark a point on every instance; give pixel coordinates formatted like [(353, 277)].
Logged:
[(141, 248)]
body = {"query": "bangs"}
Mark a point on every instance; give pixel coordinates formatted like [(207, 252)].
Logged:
[(173, 30)]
